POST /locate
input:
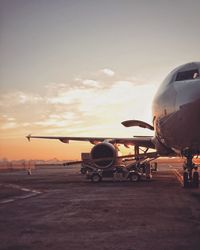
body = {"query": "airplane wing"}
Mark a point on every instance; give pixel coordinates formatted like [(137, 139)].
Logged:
[(143, 141)]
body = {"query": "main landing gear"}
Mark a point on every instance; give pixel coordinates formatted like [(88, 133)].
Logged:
[(190, 175)]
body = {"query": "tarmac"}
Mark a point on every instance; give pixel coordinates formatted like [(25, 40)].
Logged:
[(57, 208)]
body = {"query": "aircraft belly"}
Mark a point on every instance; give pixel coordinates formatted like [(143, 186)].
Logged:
[(181, 129)]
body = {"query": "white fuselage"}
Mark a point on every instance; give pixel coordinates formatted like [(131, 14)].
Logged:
[(176, 111)]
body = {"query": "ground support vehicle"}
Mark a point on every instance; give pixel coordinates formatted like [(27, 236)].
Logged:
[(132, 172)]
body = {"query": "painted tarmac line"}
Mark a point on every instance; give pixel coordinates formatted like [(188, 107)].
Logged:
[(179, 177), (32, 193), (22, 188), (7, 201), (25, 189), (26, 196), (177, 174)]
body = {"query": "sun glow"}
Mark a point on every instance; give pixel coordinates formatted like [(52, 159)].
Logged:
[(72, 110)]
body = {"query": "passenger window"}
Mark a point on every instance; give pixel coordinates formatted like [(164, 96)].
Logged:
[(187, 75)]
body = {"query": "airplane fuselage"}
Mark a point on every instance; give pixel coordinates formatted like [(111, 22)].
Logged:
[(176, 111)]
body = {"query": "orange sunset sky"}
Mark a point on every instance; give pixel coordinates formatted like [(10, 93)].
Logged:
[(79, 68)]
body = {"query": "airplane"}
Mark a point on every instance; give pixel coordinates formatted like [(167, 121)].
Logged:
[(176, 120)]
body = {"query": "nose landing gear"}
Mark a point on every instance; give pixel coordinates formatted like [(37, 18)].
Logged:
[(195, 179), (190, 175)]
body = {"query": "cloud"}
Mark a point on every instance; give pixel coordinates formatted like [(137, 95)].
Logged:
[(108, 72), (19, 98), (124, 83), (9, 125), (25, 124), (55, 120), (91, 83), (7, 122), (53, 88), (67, 97), (87, 106), (51, 123), (86, 83)]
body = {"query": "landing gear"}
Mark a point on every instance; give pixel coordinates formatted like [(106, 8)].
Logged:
[(185, 180), (190, 175), (196, 179)]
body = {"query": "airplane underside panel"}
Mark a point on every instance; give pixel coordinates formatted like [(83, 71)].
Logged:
[(181, 129)]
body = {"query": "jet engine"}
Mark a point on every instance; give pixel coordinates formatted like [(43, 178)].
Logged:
[(104, 155)]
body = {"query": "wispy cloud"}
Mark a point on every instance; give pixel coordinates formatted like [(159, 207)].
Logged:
[(54, 120), (7, 122), (108, 72), (91, 83), (18, 98), (86, 83), (86, 106)]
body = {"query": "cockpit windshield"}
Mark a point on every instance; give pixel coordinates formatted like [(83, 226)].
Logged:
[(187, 75)]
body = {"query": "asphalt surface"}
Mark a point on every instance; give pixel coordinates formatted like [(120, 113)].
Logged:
[(57, 208)]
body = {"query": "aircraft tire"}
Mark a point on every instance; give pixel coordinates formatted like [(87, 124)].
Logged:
[(83, 171), (134, 177), (185, 180), (196, 180), (96, 178)]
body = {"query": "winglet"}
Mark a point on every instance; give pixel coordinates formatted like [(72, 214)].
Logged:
[(28, 137)]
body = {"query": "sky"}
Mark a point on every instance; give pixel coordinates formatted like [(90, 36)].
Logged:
[(81, 67)]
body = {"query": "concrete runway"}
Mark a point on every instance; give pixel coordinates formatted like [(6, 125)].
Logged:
[(57, 208)]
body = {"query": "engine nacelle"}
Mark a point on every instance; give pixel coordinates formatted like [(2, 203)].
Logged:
[(104, 155)]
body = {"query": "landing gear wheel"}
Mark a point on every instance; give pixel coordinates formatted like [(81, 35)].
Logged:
[(185, 180), (134, 177), (195, 179), (83, 171), (96, 178), (191, 175)]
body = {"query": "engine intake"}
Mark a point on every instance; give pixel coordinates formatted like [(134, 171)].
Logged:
[(103, 155)]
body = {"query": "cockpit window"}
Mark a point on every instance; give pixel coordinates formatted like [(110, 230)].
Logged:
[(187, 75)]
